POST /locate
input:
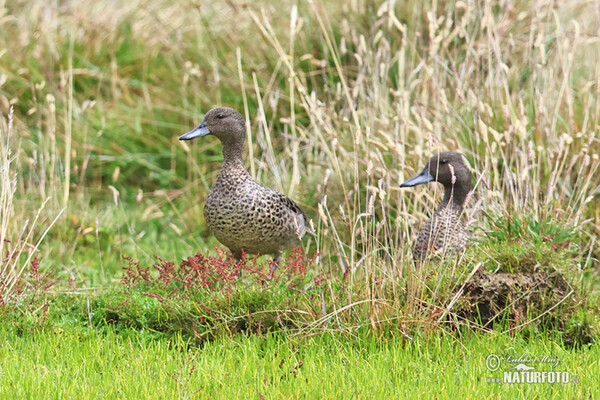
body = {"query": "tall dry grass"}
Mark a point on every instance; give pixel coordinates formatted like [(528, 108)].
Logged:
[(20, 231), (496, 81)]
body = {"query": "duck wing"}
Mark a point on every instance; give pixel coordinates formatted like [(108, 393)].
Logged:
[(291, 206)]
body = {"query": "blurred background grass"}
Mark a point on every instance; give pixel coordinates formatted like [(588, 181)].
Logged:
[(344, 100)]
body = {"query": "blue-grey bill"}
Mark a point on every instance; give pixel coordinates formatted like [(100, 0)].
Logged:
[(200, 130), (423, 177)]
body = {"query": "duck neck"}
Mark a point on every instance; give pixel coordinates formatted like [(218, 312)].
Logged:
[(455, 196), (233, 162), (232, 152)]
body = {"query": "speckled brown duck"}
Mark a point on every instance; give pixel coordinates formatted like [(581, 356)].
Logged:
[(445, 231), (241, 213)]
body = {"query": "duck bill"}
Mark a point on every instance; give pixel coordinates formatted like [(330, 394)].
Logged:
[(200, 130), (423, 177)]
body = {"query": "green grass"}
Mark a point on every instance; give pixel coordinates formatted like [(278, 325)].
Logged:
[(85, 364)]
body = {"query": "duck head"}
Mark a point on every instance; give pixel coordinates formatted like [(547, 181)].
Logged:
[(448, 168), (223, 122)]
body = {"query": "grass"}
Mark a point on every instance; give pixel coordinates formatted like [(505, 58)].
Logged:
[(362, 98), (325, 366), (343, 101)]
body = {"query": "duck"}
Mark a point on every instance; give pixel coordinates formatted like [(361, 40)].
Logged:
[(245, 216), (445, 232)]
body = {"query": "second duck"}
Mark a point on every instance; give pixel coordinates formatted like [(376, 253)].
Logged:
[(444, 232)]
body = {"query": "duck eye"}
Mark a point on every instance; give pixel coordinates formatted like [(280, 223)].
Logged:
[(220, 116)]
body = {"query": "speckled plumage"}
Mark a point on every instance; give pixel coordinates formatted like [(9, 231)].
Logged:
[(444, 232), (241, 213)]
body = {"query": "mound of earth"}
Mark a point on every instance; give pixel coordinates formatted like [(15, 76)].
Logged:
[(519, 296)]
